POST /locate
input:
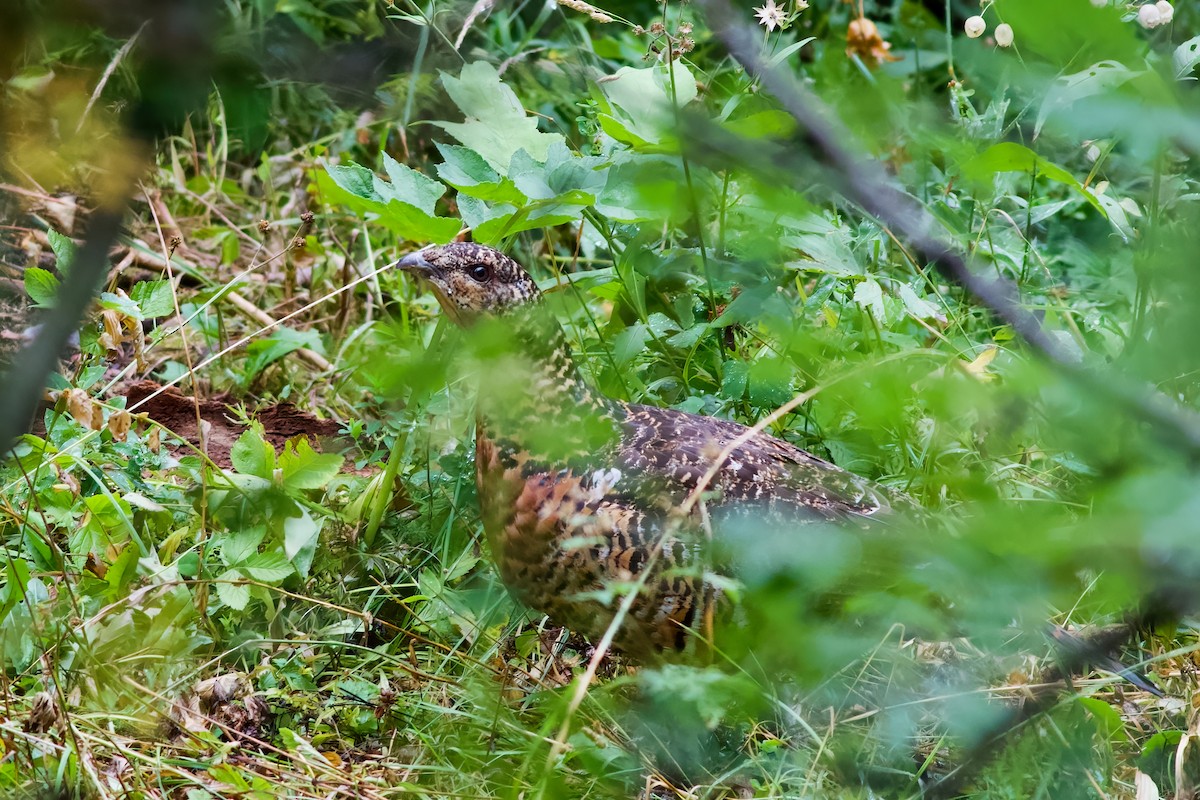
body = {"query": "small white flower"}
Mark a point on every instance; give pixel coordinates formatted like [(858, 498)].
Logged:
[(1149, 16), (801, 5), (1166, 9), (975, 26), (1004, 34), (770, 16), (1092, 153)]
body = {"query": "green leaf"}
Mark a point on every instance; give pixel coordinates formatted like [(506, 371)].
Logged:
[(642, 187), (282, 341), (13, 590), (355, 180), (241, 545), (496, 126), (409, 186), (1099, 78), (267, 567), (234, 595), (64, 251), (1067, 32), (42, 286), (300, 536), (124, 305), (304, 468), (869, 295), (1185, 58), (1013, 157), (153, 298), (642, 102), (733, 382), (359, 189), (231, 248), (251, 454), (490, 224), (915, 305), (629, 343), (466, 171)]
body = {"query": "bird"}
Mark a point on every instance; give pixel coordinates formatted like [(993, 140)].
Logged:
[(580, 492)]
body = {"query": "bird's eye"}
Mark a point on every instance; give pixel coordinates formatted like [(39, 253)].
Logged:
[(481, 272)]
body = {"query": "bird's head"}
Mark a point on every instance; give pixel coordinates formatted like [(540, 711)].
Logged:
[(471, 280)]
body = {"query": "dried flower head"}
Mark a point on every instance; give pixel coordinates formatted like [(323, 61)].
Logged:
[(863, 40)]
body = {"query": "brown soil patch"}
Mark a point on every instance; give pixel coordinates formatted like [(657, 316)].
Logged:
[(178, 413)]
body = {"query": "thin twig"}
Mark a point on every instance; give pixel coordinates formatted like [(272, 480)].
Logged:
[(117, 58)]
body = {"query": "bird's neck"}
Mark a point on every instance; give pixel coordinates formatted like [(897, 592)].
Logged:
[(554, 415)]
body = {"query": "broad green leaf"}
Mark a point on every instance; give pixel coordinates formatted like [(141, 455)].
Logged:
[(643, 101), (304, 468), (1185, 58), (1068, 32), (355, 180), (769, 383), (300, 536), (359, 189), (282, 341), (242, 544), (1116, 214), (563, 172), (412, 223), (267, 567), (764, 124), (64, 251), (123, 304), (642, 187), (869, 294), (497, 125), (234, 595), (485, 221), (915, 305), (629, 343), (490, 224), (251, 454), (466, 171), (409, 186), (153, 298), (42, 286), (1100, 77), (1013, 157), (13, 590), (733, 382), (826, 247)]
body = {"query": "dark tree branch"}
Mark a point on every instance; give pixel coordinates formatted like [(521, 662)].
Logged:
[(174, 78), (21, 385), (864, 182)]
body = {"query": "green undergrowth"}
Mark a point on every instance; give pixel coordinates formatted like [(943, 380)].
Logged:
[(319, 617)]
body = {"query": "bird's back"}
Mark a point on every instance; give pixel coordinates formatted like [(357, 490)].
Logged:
[(563, 535)]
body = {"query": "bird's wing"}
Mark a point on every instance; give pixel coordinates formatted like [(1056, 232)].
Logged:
[(673, 450)]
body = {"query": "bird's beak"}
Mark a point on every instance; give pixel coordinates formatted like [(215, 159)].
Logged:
[(415, 264)]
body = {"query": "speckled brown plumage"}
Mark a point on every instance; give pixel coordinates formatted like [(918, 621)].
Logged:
[(597, 500)]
